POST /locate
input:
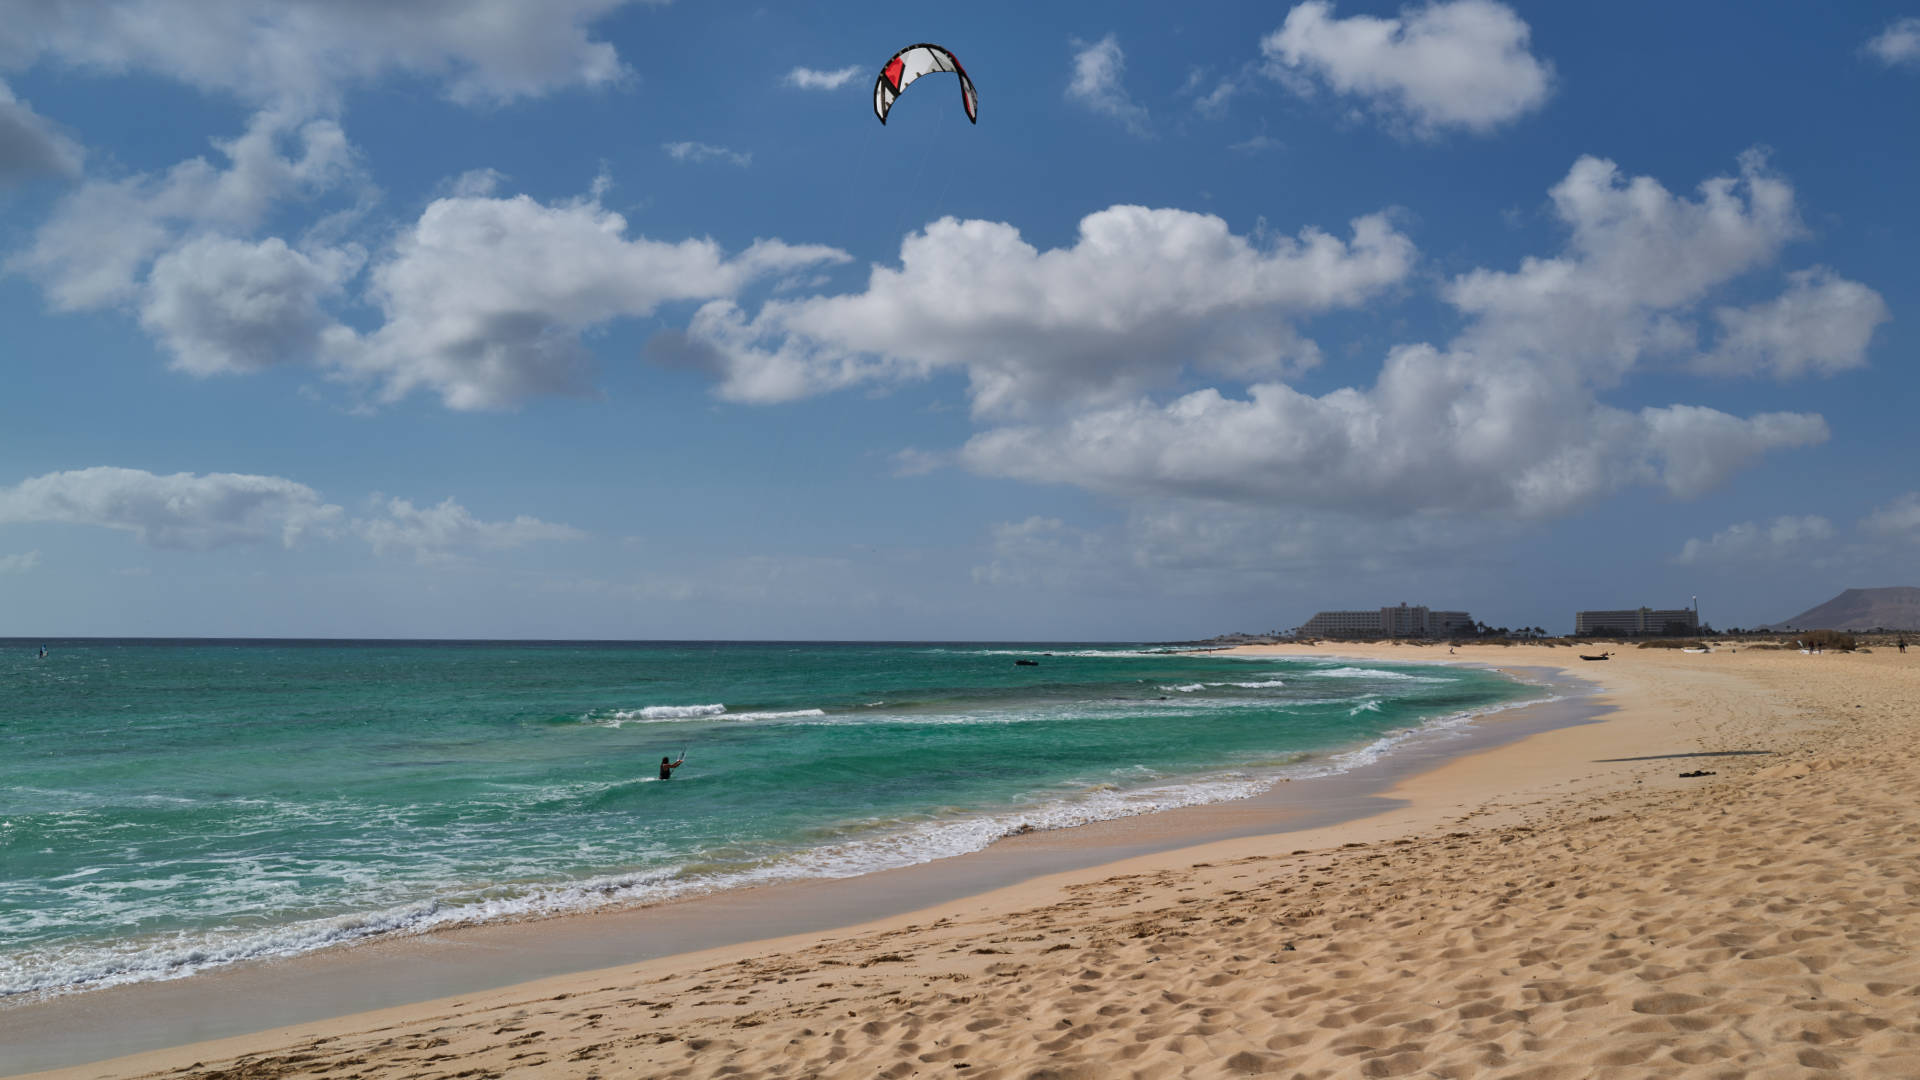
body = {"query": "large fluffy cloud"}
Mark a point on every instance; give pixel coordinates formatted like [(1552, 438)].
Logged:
[(222, 305), (1064, 350), (1460, 64), (301, 54), (1438, 431), (179, 246), (1100, 319), (1637, 257), (485, 298), (177, 511), (1640, 258), (97, 246)]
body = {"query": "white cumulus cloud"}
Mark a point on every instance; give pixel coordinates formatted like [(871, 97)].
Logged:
[(811, 79), (222, 305), (181, 510), (1098, 71), (1899, 44), (303, 54), (1638, 257), (1460, 64), (1438, 431), (1140, 294), (485, 299), (1064, 350), (1821, 325), (94, 250)]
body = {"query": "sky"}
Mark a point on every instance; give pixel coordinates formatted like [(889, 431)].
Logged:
[(625, 320)]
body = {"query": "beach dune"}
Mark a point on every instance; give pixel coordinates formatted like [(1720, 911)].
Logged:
[(1566, 906)]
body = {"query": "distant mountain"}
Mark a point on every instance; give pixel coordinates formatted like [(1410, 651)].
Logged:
[(1896, 608)]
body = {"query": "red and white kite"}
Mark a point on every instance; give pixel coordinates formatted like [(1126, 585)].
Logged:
[(912, 62)]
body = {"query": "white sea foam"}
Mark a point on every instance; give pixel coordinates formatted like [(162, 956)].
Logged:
[(786, 714), (1267, 685), (883, 845), (1369, 705), (1188, 688), (1451, 725), (1370, 673), (667, 714), (177, 956), (1088, 654)]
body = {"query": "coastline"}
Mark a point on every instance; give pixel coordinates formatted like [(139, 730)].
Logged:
[(409, 969), (1508, 785)]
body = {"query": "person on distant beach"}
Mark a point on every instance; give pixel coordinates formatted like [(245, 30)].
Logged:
[(667, 767), (1903, 644)]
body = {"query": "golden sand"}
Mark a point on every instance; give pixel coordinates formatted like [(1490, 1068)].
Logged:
[(1564, 906)]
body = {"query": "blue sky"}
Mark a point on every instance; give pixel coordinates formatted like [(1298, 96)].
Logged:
[(588, 318)]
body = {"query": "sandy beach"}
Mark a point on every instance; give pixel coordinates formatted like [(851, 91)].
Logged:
[(1564, 905)]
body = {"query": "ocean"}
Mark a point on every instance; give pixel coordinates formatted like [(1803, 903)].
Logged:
[(168, 807)]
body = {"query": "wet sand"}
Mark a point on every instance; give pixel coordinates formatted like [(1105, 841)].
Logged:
[(1477, 881)]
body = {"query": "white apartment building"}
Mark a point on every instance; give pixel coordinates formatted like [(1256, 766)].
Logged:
[(1635, 621), (1400, 621)]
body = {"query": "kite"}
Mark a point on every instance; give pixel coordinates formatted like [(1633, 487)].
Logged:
[(912, 62)]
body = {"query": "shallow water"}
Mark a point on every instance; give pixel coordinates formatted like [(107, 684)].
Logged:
[(166, 806)]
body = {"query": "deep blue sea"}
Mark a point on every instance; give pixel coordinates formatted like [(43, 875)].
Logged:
[(171, 806)]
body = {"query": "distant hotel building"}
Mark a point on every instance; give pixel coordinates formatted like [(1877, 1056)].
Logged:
[(1637, 621), (1402, 621)]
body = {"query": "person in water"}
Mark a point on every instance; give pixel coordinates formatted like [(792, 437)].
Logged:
[(667, 767)]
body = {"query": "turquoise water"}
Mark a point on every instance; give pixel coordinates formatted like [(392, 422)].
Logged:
[(166, 807)]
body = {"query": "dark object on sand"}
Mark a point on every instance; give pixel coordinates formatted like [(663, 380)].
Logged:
[(1697, 772), (1602, 656), (1027, 663)]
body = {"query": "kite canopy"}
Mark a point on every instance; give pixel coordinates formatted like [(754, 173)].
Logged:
[(912, 62)]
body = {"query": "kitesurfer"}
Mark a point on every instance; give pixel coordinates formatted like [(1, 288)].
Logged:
[(667, 767)]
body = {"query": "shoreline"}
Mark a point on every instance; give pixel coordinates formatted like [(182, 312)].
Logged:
[(238, 1000), (1508, 785)]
